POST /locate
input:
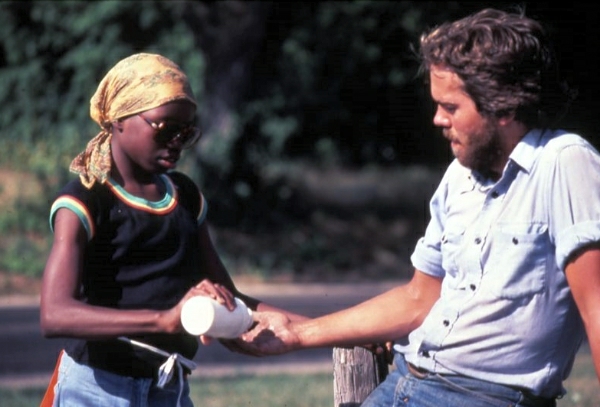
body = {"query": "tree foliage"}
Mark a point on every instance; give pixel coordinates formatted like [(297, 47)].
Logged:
[(332, 81), (53, 54), (331, 84), (342, 83)]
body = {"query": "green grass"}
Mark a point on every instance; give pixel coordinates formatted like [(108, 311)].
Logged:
[(266, 391), (282, 390), (21, 397), (315, 390)]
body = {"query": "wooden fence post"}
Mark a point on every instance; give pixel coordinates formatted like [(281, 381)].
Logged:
[(356, 372)]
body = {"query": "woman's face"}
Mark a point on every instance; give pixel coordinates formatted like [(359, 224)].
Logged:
[(137, 146)]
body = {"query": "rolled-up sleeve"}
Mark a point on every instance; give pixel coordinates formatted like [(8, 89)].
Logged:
[(427, 256), (574, 200)]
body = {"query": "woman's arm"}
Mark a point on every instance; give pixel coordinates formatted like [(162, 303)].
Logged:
[(62, 313)]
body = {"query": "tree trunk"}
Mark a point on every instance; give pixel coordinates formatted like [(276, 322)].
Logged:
[(356, 373), (230, 34)]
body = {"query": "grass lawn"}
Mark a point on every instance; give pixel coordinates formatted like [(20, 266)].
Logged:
[(283, 390), (315, 390)]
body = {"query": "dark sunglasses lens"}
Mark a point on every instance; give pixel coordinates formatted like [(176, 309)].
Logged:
[(185, 135), (168, 132), (189, 136)]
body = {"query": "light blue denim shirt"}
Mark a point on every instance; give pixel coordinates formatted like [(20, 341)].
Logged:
[(506, 314)]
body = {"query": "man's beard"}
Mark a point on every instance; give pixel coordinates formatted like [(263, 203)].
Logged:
[(484, 152)]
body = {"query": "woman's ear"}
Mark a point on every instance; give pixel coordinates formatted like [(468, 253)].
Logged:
[(118, 125)]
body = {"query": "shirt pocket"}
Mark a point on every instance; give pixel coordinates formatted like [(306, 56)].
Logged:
[(517, 261)]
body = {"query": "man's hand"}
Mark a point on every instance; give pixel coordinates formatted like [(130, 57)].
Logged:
[(385, 350), (272, 335)]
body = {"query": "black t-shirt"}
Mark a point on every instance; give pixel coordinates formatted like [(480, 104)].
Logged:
[(140, 255)]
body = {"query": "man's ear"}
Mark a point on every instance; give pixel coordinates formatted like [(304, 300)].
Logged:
[(506, 119)]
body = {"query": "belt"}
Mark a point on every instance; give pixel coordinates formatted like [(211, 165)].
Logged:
[(176, 365), (418, 372), (535, 401)]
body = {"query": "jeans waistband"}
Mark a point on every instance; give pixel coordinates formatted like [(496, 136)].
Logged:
[(525, 398)]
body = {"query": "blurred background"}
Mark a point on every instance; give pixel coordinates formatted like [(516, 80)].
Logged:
[(318, 156)]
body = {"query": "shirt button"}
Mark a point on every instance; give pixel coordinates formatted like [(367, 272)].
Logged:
[(478, 240), (515, 240), (495, 194), (446, 322), (472, 287)]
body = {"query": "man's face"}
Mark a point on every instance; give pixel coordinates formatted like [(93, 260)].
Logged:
[(474, 139)]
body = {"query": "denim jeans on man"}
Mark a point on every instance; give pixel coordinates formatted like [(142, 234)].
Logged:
[(403, 389)]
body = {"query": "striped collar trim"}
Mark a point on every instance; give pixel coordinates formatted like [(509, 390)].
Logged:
[(164, 206)]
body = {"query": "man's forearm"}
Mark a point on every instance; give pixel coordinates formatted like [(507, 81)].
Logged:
[(386, 317)]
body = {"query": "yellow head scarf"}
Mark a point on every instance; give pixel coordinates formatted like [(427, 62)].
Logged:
[(137, 83)]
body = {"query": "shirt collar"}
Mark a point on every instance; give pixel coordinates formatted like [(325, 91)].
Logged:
[(525, 152), (523, 156)]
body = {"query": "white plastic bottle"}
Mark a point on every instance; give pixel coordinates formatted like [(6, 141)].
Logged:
[(204, 316)]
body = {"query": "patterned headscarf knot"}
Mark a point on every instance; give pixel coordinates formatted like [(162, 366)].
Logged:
[(135, 84)]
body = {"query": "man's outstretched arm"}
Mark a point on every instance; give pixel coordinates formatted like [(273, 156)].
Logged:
[(383, 318)]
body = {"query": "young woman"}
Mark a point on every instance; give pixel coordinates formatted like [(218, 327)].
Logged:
[(131, 245)]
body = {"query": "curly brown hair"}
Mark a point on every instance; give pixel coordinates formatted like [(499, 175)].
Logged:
[(506, 62)]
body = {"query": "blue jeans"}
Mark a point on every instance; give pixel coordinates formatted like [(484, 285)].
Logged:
[(80, 385), (403, 389)]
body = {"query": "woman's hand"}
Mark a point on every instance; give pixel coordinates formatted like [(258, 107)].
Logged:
[(215, 291), (205, 288)]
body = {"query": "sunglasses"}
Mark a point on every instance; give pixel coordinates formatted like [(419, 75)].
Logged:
[(166, 133)]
